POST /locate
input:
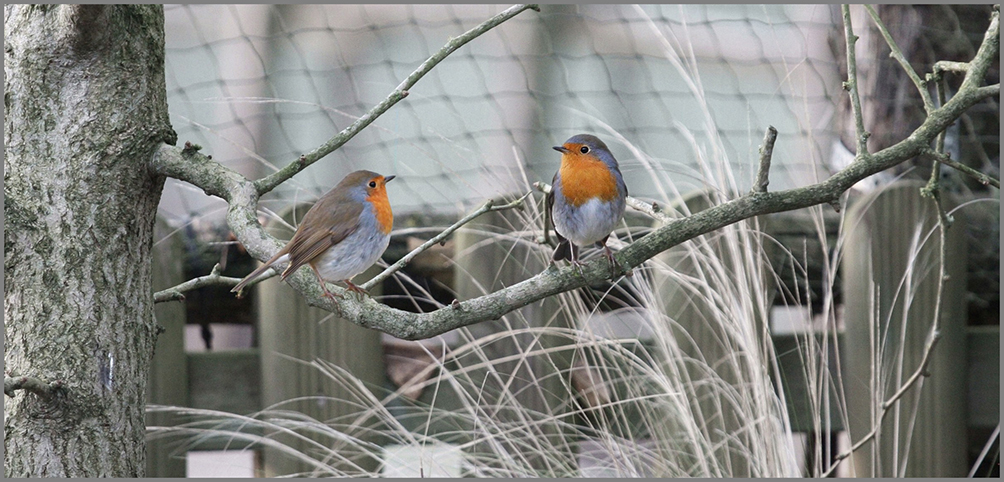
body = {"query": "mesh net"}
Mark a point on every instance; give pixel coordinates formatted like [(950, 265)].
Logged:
[(669, 88)]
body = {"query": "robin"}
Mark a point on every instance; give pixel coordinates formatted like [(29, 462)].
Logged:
[(587, 197), (341, 235)]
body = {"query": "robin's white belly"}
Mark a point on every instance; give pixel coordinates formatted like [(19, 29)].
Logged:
[(356, 253), (587, 223)]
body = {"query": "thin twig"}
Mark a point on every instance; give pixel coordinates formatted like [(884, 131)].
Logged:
[(766, 151), (177, 293), (945, 159), (939, 142), (949, 66), (897, 54), (34, 385), (887, 405), (487, 207), (269, 183), (851, 85), (989, 51)]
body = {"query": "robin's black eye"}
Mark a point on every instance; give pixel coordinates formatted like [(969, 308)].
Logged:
[(584, 149), (372, 184)]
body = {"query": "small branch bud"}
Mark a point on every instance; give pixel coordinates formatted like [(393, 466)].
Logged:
[(835, 204)]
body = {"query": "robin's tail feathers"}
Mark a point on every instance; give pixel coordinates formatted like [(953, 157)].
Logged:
[(261, 269), (563, 251), (247, 279)]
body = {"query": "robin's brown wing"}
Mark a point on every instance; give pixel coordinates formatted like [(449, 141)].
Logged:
[(563, 251), (326, 224), (548, 211)]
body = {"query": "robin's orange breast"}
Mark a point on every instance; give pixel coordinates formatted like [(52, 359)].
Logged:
[(584, 177), (381, 207)]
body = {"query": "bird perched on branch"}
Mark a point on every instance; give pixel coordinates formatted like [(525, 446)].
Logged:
[(587, 197), (342, 235)]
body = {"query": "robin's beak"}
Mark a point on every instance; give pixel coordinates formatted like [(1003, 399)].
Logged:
[(561, 149), (388, 179)]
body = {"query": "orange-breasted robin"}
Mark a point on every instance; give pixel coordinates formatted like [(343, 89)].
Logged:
[(587, 197), (341, 235)]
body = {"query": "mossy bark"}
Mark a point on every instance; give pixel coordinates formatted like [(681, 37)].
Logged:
[(85, 109)]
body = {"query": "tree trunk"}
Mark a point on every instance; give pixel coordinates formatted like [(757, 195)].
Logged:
[(85, 107)]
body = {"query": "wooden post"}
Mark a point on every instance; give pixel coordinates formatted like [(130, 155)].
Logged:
[(703, 336), (168, 382), (890, 286), (485, 264), (289, 328)]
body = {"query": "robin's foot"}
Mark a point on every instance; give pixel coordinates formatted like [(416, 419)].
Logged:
[(578, 267), (615, 267), (357, 290), (324, 286), (328, 294)]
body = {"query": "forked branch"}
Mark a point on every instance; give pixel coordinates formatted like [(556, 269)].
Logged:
[(177, 293), (242, 196), (990, 46)]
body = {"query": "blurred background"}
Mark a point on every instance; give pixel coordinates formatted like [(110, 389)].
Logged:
[(679, 93), (259, 85)]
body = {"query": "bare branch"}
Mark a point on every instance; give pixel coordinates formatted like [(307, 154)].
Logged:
[(177, 293), (897, 54), (945, 159), (242, 196), (487, 207), (651, 208), (925, 362), (988, 51), (766, 151), (988, 91), (949, 66), (214, 179), (851, 85), (555, 280), (34, 385), (187, 164), (269, 183)]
